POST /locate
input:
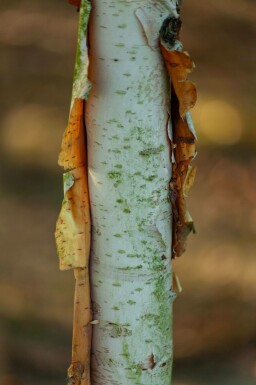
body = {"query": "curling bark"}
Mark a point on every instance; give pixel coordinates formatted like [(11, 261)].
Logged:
[(128, 168)]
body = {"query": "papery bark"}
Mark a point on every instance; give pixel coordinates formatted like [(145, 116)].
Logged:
[(121, 162)]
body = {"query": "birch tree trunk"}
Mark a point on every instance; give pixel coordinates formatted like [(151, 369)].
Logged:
[(139, 145), (129, 172)]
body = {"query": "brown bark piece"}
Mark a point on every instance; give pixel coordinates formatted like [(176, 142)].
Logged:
[(179, 65), (183, 97), (182, 178), (183, 138)]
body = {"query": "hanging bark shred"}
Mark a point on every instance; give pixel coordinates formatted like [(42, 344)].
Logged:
[(79, 370), (183, 98), (73, 232)]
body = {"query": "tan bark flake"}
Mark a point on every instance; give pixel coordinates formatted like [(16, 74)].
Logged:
[(73, 225)]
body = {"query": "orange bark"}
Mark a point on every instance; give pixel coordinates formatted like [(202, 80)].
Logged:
[(73, 235), (73, 149), (79, 370)]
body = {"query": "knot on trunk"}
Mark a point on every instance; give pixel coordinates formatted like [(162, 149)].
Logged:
[(170, 29)]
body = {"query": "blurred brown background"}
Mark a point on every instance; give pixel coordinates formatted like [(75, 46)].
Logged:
[(215, 316)]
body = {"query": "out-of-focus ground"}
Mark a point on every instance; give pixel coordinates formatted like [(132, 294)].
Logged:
[(215, 316)]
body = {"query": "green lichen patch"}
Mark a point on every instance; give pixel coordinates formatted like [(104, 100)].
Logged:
[(113, 120), (156, 263), (116, 176), (131, 267), (120, 92), (81, 84), (141, 223), (117, 330), (115, 151), (130, 302), (134, 371), (152, 151), (162, 317), (130, 112), (150, 178), (130, 255)]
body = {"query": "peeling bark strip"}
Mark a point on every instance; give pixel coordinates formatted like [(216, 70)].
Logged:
[(183, 98), (73, 233), (73, 225), (127, 225), (73, 229)]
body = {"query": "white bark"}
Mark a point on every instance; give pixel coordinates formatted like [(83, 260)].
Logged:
[(129, 170)]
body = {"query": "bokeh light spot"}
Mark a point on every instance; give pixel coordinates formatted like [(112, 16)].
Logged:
[(32, 133), (220, 122)]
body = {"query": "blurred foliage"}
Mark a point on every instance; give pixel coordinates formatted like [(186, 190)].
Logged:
[(215, 316)]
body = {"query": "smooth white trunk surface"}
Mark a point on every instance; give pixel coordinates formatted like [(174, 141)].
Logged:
[(129, 171)]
